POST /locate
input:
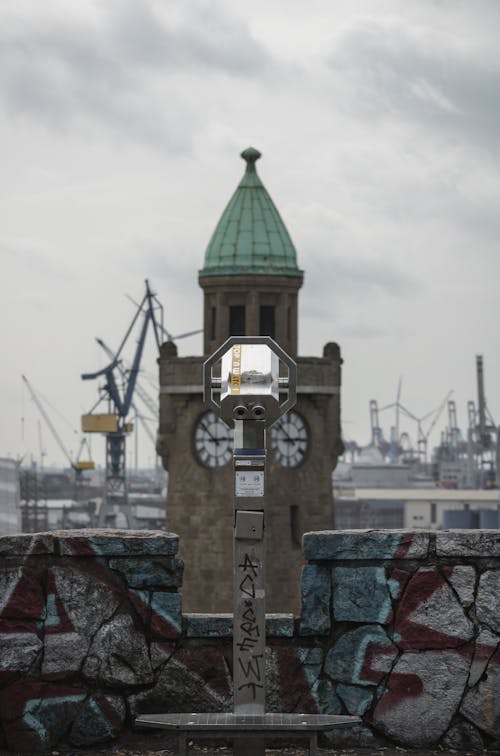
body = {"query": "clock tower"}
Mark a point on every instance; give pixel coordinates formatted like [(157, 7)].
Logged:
[(250, 281)]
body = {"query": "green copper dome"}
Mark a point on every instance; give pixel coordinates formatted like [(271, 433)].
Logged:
[(250, 237)]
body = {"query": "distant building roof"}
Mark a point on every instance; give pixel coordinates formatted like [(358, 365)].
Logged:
[(250, 237)]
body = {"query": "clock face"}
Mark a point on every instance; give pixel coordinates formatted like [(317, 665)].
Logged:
[(290, 439), (213, 441)]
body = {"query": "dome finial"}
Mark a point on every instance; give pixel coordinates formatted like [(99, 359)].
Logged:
[(251, 155)]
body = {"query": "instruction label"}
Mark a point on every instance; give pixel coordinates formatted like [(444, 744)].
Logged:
[(249, 483)]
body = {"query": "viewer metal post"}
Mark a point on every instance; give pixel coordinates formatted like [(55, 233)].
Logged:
[(249, 387)]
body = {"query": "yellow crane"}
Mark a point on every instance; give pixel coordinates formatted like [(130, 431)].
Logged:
[(78, 465)]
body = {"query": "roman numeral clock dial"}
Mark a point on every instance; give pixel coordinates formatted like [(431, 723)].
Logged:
[(290, 439)]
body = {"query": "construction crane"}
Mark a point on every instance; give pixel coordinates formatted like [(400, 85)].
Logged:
[(483, 452), (484, 429), (152, 406), (114, 423), (422, 435), (170, 337), (141, 392), (394, 448), (454, 434), (375, 424), (77, 465)]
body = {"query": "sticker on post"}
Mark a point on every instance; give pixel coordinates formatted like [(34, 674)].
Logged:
[(249, 483)]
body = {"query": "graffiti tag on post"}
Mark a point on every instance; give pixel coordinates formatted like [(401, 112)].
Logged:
[(249, 627)]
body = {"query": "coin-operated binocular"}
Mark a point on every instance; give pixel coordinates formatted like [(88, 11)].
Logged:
[(249, 387), (249, 384)]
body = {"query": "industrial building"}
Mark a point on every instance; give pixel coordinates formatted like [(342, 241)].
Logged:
[(10, 512)]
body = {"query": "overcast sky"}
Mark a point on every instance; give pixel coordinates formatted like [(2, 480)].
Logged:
[(121, 125)]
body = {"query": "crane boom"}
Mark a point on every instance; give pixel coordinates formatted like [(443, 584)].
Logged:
[(50, 425), (139, 389), (114, 425)]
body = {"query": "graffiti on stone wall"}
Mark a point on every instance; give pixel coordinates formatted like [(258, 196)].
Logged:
[(409, 639), (400, 629), (73, 623)]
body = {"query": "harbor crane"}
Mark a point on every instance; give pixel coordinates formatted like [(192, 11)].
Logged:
[(141, 392), (483, 438), (77, 465), (114, 423), (396, 439), (375, 424)]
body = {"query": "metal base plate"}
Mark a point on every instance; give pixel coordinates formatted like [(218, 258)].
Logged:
[(232, 723)]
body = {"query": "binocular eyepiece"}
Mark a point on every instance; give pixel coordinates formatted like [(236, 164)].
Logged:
[(249, 383), (253, 411)]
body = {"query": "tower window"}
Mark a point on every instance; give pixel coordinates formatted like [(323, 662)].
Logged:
[(267, 325), (294, 525), (237, 320)]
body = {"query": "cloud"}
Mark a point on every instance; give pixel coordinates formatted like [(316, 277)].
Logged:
[(201, 37), (123, 67), (22, 255), (359, 278), (361, 331), (418, 73)]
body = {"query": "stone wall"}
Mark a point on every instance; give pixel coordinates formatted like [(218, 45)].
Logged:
[(402, 628)]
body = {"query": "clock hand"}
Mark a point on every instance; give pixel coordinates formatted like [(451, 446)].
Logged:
[(289, 439), (282, 428), (205, 428)]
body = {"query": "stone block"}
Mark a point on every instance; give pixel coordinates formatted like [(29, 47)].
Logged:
[(396, 581), (166, 614), (23, 545), (481, 704), (279, 625), (357, 736), (487, 603), (77, 606), (140, 600), (21, 595), (100, 720), (421, 696), (365, 544), (209, 625), (20, 648), (292, 677), (160, 652), (63, 655), (429, 614), (361, 594), (326, 698), (77, 601), (463, 736), (119, 655), (467, 543), (356, 700), (35, 716), (463, 579), (221, 625), (361, 657), (141, 572), (315, 592), (486, 645), (191, 680), (109, 543)]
